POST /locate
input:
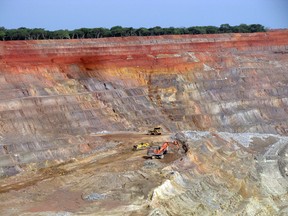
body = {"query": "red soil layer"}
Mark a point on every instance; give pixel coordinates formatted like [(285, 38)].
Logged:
[(161, 53)]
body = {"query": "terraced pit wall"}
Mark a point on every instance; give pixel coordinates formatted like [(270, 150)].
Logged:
[(55, 95)]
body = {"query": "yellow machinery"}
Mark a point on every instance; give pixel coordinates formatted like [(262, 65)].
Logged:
[(141, 146)]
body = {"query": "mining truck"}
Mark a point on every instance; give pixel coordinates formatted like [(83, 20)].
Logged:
[(155, 131)]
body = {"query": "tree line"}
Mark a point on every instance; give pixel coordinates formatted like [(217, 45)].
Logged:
[(119, 31)]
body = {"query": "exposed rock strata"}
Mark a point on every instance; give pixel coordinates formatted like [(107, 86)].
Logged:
[(220, 174), (61, 99), (226, 174), (55, 93)]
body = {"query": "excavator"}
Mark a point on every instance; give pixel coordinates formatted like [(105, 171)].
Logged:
[(159, 152)]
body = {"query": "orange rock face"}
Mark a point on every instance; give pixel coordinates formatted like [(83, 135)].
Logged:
[(51, 90), (145, 52)]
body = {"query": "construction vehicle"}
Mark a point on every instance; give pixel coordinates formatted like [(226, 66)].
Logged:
[(141, 146), (159, 151), (155, 131)]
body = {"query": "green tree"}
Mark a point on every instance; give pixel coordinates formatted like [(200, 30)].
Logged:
[(225, 28), (243, 28), (77, 33), (181, 30), (142, 32), (12, 34), (211, 30), (169, 31), (157, 30), (119, 31), (60, 34), (37, 33), (106, 32), (2, 33), (116, 31), (88, 32), (196, 30), (22, 34), (129, 31), (257, 28)]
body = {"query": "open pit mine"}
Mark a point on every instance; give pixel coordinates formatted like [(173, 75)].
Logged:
[(72, 110)]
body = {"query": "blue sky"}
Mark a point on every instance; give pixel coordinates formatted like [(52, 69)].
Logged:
[(73, 14)]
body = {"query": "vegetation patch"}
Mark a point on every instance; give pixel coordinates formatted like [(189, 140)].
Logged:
[(119, 31)]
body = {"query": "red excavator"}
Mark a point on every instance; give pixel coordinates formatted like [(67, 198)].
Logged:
[(159, 152)]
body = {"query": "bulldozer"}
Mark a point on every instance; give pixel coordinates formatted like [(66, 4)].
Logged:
[(141, 146), (159, 151), (155, 131)]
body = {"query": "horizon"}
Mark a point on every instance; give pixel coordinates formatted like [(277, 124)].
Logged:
[(143, 27)]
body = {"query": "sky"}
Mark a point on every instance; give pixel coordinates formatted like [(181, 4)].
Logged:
[(74, 14)]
